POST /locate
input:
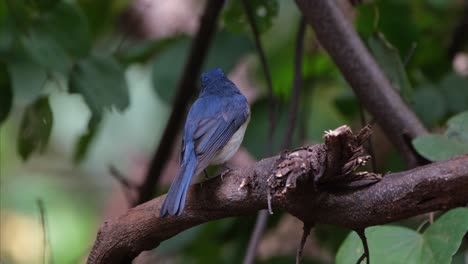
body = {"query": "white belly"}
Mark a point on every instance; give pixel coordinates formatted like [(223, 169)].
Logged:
[(231, 147)]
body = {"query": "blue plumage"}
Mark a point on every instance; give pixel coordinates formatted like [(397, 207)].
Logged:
[(213, 131)]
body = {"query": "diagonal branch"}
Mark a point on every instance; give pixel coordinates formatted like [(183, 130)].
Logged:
[(185, 91), (338, 37), (287, 178), (296, 86)]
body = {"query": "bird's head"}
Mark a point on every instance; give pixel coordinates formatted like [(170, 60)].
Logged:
[(210, 76), (215, 82)]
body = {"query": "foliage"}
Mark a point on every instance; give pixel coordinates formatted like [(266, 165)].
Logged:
[(389, 59), (101, 82), (441, 147), (37, 37), (74, 48), (35, 127), (395, 244)]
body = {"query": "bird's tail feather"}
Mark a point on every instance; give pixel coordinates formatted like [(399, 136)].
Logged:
[(175, 199)]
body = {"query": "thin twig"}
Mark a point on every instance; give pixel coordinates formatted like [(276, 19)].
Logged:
[(339, 38), (410, 53), (45, 237), (370, 146), (186, 90), (361, 258), (263, 214), (423, 223), (297, 85), (270, 209), (259, 228), (362, 235), (266, 70), (127, 187), (300, 248)]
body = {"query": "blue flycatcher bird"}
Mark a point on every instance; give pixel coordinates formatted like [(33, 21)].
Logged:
[(213, 132)]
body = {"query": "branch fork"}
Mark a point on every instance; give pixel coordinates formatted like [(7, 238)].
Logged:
[(301, 182), (331, 165)]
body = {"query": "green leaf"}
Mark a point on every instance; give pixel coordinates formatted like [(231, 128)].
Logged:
[(84, 141), (443, 238), (439, 147), (442, 147), (454, 89), (264, 12), (429, 105), (458, 127), (68, 26), (389, 59), (35, 128), (227, 49), (27, 77), (387, 244), (57, 36), (395, 245), (101, 82), (44, 49), (6, 93)]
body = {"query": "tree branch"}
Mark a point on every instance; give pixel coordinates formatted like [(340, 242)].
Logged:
[(262, 216), (266, 70), (186, 90), (373, 89), (300, 248), (296, 182), (256, 236), (296, 86)]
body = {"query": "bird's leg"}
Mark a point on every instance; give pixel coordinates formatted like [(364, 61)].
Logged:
[(226, 170)]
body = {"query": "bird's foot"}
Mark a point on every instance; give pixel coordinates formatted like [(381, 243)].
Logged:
[(226, 170)]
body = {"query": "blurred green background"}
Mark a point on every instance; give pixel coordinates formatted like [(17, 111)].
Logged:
[(86, 84)]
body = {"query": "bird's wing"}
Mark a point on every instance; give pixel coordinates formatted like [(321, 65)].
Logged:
[(213, 133)]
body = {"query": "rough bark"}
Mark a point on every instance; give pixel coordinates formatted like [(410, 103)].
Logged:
[(337, 35), (306, 183)]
